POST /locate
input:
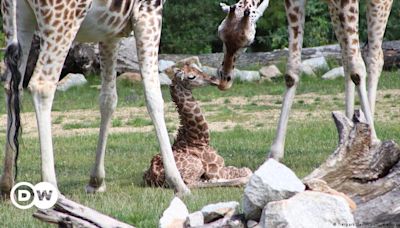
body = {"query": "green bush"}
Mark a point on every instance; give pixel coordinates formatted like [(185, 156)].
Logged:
[(190, 27)]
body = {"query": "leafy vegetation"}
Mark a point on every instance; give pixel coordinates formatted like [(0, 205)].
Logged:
[(192, 28)]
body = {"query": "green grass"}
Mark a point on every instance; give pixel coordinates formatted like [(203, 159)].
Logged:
[(126, 197), (132, 95), (308, 143)]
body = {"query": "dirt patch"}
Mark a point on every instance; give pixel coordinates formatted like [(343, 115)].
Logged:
[(246, 112)]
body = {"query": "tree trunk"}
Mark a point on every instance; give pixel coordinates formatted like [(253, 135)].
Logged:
[(67, 213), (369, 174)]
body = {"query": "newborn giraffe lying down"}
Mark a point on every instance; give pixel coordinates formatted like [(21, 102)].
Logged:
[(198, 163)]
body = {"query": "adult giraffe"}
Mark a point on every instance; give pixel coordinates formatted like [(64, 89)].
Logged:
[(237, 31), (58, 23)]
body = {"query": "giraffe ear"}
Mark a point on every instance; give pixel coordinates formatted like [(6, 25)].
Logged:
[(225, 7), (261, 8), (178, 73)]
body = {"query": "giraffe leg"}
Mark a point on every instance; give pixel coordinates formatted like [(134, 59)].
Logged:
[(55, 43), (349, 84), (25, 34), (347, 14), (147, 28), (295, 16), (108, 103), (377, 17)]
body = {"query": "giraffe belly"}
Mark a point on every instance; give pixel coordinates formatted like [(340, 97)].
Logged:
[(102, 24)]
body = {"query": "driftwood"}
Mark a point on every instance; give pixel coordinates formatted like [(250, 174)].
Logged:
[(369, 174), (67, 213)]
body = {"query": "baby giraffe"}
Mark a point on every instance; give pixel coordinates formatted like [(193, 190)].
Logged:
[(196, 160)]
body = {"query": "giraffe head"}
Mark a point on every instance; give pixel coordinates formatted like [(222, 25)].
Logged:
[(190, 76), (237, 31)]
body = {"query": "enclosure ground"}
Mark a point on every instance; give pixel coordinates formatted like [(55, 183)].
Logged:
[(242, 121)]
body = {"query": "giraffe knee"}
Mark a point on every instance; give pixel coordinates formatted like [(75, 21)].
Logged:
[(42, 87), (356, 79), (291, 80)]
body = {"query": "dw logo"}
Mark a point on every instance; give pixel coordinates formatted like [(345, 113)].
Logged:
[(43, 195)]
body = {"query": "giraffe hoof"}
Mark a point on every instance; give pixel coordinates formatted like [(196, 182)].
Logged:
[(92, 190)]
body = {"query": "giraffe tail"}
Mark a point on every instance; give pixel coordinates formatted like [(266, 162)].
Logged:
[(12, 59)]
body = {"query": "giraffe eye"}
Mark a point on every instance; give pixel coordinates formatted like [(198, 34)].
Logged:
[(191, 77)]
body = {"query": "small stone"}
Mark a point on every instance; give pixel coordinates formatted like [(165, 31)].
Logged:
[(130, 77), (337, 72), (246, 75), (213, 212), (164, 79), (317, 64), (271, 182), (175, 215), (195, 219), (71, 80), (210, 70), (252, 223), (307, 70), (269, 72), (97, 87), (307, 209), (164, 64)]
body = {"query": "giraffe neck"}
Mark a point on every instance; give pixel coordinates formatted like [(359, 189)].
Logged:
[(194, 128)]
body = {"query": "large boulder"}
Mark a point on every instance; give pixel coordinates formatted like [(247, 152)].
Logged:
[(270, 72), (316, 64), (175, 215), (164, 64), (71, 80), (308, 210), (272, 181), (337, 72), (195, 219)]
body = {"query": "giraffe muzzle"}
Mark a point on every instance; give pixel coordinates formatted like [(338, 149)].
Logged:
[(225, 80)]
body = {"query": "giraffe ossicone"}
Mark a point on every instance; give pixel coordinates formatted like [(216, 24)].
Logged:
[(237, 31), (196, 160)]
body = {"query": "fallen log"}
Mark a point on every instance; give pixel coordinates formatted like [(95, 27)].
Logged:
[(369, 174), (67, 213)]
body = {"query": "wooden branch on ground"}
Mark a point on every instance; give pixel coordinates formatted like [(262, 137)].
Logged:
[(369, 174), (67, 213)]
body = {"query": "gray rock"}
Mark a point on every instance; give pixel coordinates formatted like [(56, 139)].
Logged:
[(271, 182), (71, 80), (252, 224), (212, 212), (164, 64), (269, 72), (245, 75), (209, 70), (164, 79), (195, 219), (308, 210), (127, 59), (190, 60), (334, 73), (175, 215), (307, 70), (317, 64)]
